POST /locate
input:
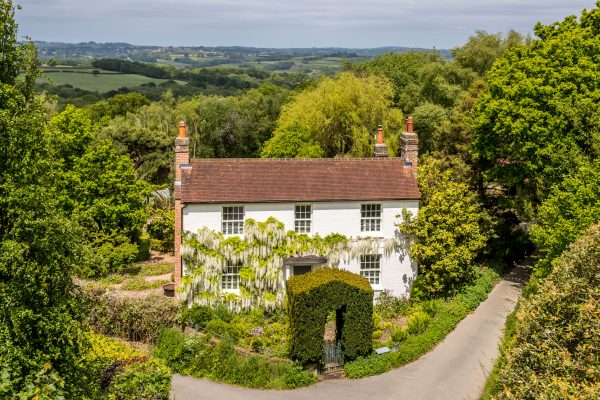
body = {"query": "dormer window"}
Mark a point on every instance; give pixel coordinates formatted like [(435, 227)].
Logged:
[(232, 221), (370, 217), (303, 218)]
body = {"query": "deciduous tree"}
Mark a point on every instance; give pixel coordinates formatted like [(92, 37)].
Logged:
[(342, 114), (540, 117)]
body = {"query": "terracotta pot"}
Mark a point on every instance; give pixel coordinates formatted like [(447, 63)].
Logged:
[(169, 289)]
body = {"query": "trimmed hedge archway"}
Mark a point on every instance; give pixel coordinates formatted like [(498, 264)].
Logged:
[(312, 296)]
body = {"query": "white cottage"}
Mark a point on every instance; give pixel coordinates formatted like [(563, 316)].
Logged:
[(355, 197)]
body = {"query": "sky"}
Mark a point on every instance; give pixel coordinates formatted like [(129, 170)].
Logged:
[(285, 23)]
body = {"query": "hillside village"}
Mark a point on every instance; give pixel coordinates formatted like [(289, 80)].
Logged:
[(186, 221)]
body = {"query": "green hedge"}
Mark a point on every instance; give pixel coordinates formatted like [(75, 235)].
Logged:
[(311, 297), (448, 315), (129, 318), (195, 354), (553, 349)]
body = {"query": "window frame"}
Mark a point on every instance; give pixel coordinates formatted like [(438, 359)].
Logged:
[(368, 269), (230, 278), (368, 220), (305, 221), (232, 226)]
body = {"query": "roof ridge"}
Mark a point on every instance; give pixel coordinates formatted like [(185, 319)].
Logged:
[(327, 159)]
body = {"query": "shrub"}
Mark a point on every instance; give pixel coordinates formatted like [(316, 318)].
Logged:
[(418, 322), (389, 306), (399, 334), (162, 230), (150, 380), (431, 306), (129, 318), (449, 314), (195, 354), (170, 347), (554, 351), (124, 373), (144, 247), (199, 315), (222, 329), (310, 299), (223, 313), (450, 230)]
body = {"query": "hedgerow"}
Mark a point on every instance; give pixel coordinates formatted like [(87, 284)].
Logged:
[(137, 319), (310, 299), (197, 355), (554, 352)]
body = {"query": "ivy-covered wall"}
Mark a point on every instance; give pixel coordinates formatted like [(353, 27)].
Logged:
[(261, 253)]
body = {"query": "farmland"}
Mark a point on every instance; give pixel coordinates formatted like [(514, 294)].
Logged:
[(83, 78)]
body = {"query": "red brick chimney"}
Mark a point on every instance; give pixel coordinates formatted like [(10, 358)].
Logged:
[(182, 159), (409, 146), (380, 148)]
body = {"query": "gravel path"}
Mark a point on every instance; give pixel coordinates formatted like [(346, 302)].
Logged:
[(456, 369)]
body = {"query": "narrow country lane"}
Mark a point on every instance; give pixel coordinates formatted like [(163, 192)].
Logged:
[(456, 369)]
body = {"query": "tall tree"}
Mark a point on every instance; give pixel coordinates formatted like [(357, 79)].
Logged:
[(482, 49), (40, 328), (540, 117), (341, 114)]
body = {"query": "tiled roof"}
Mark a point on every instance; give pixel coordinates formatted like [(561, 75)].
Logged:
[(263, 180)]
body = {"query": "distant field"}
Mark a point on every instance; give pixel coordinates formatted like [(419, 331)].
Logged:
[(84, 79)]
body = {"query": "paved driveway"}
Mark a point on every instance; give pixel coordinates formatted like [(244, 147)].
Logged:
[(456, 369)]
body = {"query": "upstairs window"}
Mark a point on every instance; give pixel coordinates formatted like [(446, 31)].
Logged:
[(230, 280), (370, 267), (303, 218), (232, 222), (370, 217)]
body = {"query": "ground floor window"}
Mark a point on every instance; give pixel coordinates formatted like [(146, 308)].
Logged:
[(370, 267), (231, 278)]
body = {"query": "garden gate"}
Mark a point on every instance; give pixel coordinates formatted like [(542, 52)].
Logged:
[(333, 357)]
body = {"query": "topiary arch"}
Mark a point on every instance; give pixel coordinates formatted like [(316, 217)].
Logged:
[(311, 297)]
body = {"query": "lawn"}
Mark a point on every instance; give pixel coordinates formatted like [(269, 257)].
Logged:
[(84, 79)]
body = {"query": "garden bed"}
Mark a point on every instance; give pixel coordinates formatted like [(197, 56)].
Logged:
[(431, 321)]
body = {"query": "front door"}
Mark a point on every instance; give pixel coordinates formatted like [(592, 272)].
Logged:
[(302, 269)]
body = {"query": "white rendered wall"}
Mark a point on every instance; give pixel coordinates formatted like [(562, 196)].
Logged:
[(397, 271)]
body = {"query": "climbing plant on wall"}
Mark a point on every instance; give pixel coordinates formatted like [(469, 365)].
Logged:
[(260, 254)]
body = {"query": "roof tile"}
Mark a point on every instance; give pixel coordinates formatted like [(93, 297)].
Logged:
[(263, 180)]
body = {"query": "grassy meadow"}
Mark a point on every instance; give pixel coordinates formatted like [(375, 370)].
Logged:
[(83, 78)]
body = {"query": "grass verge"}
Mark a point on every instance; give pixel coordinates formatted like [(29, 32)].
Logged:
[(492, 386), (449, 314)]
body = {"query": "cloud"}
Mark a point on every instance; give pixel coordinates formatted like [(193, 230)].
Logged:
[(285, 23)]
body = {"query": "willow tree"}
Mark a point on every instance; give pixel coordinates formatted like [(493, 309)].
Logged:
[(341, 115)]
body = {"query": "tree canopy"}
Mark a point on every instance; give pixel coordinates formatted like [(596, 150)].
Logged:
[(540, 117), (341, 115), (40, 318)]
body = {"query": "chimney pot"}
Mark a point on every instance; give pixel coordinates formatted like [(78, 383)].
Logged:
[(380, 134), (380, 149), (409, 124), (182, 130)]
